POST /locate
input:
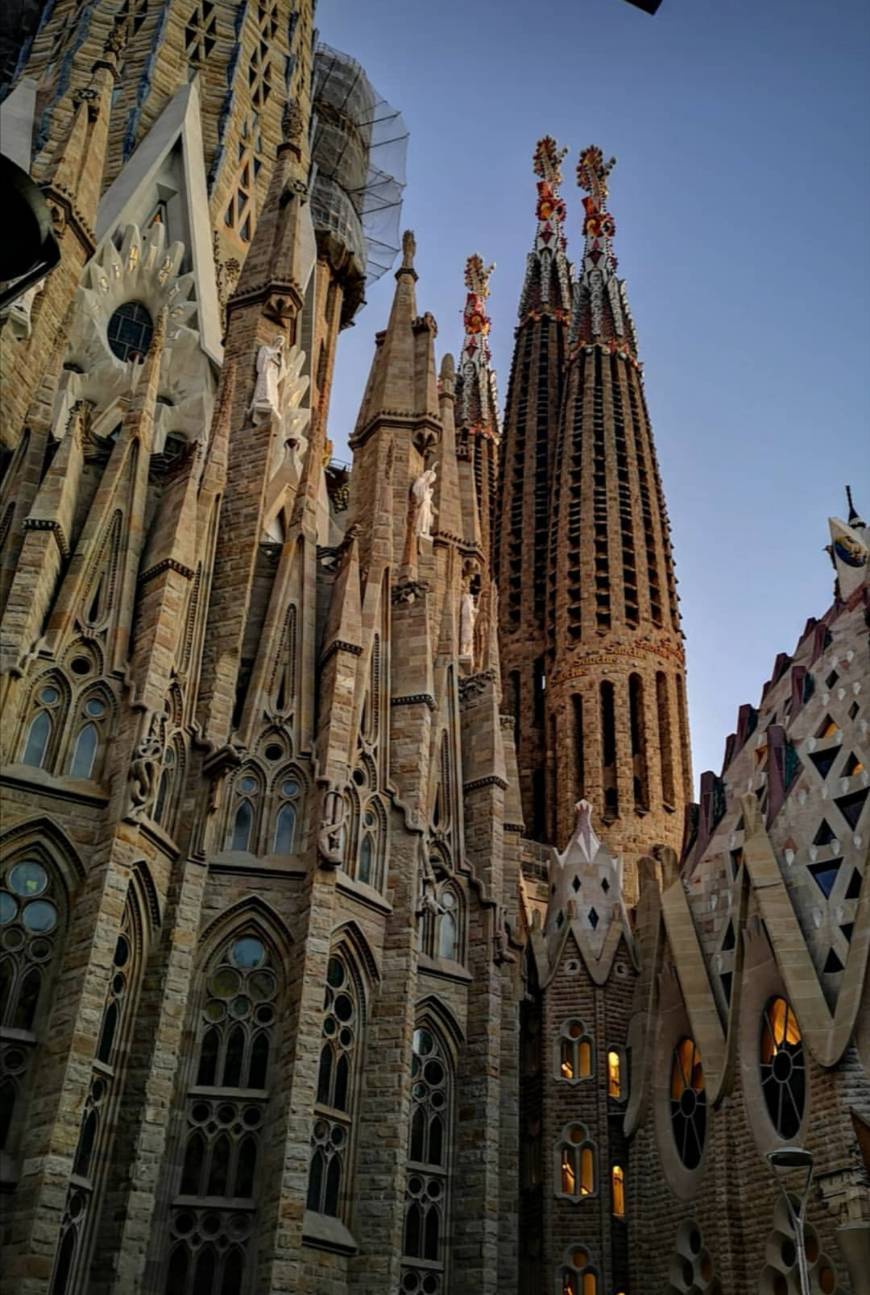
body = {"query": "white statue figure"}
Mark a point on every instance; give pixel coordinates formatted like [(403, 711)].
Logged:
[(422, 491), (467, 617), (271, 369), (20, 310)]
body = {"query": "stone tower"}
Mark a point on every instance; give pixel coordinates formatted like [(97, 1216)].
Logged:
[(616, 716), (259, 861), (522, 549)]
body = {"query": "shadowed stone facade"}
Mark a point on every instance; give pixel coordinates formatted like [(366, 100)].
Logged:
[(313, 977)]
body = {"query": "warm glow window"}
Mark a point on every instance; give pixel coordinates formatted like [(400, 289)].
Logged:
[(614, 1074), (575, 1060), (617, 1191), (688, 1102), (579, 1275), (576, 1163), (783, 1075)]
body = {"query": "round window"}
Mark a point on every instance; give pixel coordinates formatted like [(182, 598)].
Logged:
[(248, 952), (688, 1103), (783, 1076), (40, 915), (130, 331), (28, 879)]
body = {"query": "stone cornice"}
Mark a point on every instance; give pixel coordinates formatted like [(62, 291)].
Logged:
[(414, 699), (46, 524), (339, 645), (491, 780), (168, 564)]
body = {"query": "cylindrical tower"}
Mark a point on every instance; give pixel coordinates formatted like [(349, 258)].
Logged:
[(617, 727), (521, 552)]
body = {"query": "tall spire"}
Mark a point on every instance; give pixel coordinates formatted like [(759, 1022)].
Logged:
[(521, 532), (547, 285), (615, 702), (476, 399), (600, 310)]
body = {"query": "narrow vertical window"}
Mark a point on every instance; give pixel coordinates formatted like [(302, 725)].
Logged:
[(683, 721), (608, 751), (575, 1052), (93, 1160), (576, 1163), (580, 766), (331, 1137), (224, 1118), (84, 752), (617, 1191), (614, 1074), (665, 739), (32, 912), (427, 1181), (638, 742), (36, 744)]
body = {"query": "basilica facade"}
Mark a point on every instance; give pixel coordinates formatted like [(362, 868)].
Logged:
[(358, 930)]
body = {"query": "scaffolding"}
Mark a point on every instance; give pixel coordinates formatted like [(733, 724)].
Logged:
[(359, 148)]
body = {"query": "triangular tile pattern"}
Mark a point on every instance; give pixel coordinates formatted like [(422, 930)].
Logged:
[(806, 760)]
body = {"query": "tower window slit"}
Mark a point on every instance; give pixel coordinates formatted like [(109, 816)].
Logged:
[(665, 739), (608, 750), (577, 701), (638, 742)]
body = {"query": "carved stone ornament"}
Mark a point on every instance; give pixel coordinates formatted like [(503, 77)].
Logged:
[(408, 591), (145, 271), (331, 833), (145, 766)]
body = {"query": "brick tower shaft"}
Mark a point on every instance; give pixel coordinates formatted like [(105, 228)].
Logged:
[(617, 728)]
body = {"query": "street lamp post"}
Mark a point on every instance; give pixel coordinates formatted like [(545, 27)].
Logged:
[(783, 1162)]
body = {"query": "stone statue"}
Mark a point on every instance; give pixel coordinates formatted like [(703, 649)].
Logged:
[(422, 490), (20, 310), (271, 367), (467, 617)]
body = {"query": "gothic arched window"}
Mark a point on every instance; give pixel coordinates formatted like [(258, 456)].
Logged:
[(92, 1157), (285, 839), (579, 1276), (576, 1163), (783, 1074), (89, 728), (443, 921), (244, 816), (427, 1182), (32, 919), (169, 786), (225, 1112), (340, 1054), (44, 726), (370, 853), (575, 1055)]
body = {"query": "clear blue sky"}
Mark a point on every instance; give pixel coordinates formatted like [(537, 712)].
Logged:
[(742, 133)]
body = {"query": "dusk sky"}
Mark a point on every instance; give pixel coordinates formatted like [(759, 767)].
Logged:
[(741, 130)]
